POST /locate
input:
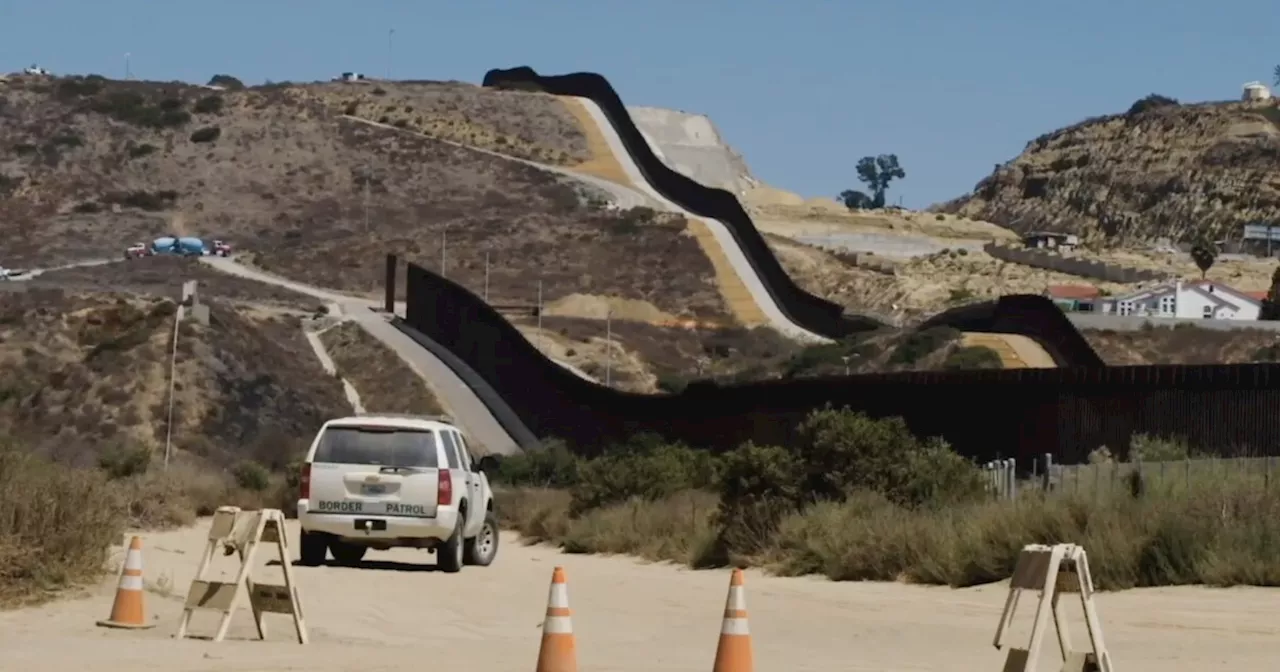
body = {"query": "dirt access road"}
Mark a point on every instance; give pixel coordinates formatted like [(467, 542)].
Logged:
[(397, 614)]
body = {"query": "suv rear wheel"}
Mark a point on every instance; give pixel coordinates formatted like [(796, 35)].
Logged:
[(481, 550), (313, 547), (347, 554), (449, 554)]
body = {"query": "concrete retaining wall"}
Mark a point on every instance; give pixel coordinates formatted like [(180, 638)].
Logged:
[(1082, 267)]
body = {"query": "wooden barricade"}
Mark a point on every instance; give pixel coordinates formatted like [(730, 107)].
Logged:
[(1051, 571), (242, 532)]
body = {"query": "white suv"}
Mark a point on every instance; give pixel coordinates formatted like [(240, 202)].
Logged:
[(386, 480)]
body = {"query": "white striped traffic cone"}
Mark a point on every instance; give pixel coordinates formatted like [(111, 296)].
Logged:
[(559, 650), (733, 653), (129, 609)]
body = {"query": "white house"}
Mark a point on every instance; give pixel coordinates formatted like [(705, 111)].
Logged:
[(1201, 299), (1255, 91)]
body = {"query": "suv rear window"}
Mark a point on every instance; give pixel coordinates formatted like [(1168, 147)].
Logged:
[(382, 446)]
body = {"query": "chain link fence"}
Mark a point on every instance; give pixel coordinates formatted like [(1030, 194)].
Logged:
[(1105, 478)]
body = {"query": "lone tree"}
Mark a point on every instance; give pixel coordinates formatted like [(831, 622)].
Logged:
[(1204, 252), (876, 172), (227, 82), (1276, 74)]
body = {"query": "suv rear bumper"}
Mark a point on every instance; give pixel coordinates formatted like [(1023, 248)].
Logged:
[(343, 525)]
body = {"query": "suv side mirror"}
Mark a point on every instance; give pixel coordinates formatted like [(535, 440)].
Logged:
[(487, 464)]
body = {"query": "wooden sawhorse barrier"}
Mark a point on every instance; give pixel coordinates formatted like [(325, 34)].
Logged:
[(1051, 571), (241, 532)]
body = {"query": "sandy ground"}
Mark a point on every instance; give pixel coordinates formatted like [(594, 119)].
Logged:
[(395, 613)]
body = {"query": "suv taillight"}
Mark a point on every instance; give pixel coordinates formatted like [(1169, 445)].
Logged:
[(444, 494), (304, 483)]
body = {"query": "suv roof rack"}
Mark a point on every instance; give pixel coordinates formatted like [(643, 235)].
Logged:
[(409, 416)]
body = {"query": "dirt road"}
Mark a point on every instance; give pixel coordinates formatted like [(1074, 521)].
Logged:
[(397, 614)]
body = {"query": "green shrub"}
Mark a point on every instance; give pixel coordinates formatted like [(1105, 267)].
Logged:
[(918, 344), (207, 134), (251, 476), (139, 151), (76, 87), (66, 139), (645, 467), (208, 105), (758, 487), (151, 201), (120, 461), (551, 466), (973, 357), (132, 107), (1148, 448), (828, 358)]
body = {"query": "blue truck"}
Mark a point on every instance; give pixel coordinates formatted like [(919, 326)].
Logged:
[(186, 246)]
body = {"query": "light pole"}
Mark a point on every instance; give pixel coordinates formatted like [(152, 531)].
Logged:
[(128, 74), (444, 248), (486, 277), (173, 376), (539, 311), (608, 344)]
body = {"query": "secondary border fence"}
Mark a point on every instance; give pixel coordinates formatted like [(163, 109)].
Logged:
[(1105, 478)]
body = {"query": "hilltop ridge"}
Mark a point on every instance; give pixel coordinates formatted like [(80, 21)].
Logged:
[(1159, 170)]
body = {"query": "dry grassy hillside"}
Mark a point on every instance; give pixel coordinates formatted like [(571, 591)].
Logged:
[(163, 276), (529, 125), (648, 358), (1158, 170), (918, 287), (1184, 344), (385, 382), (84, 377), (95, 164)]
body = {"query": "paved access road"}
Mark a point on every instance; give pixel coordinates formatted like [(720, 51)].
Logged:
[(395, 614), (455, 395)]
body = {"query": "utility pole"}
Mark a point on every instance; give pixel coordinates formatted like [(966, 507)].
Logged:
[(486, 277), (539, 309), (390, 33), (128, 74), (608, 344), (173, 375), (444, 246)]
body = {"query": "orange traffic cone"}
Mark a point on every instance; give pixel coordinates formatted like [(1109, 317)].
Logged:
[(733, 653), (559, 651), (129, 610)]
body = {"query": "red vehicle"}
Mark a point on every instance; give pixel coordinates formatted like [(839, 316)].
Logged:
[(136, 251), (221, 248)]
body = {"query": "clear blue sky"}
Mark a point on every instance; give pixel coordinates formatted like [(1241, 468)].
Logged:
[(803, 88)]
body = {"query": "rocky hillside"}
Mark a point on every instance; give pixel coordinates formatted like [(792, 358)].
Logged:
[(294, 179), (1159, 170), (1184, 344), (84, 377)]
